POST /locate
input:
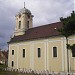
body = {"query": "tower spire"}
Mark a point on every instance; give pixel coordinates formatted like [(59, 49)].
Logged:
[(24, 4)]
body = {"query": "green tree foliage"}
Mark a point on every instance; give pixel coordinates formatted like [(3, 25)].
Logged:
[(68, 25), (67, 30), (72, 47)]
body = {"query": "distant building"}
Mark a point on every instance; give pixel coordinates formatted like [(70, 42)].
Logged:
[(39, 48), (4, 57)]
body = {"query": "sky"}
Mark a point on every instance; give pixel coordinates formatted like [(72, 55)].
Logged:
[(44, 11)]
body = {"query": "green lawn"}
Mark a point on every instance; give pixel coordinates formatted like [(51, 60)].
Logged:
[(4, 66), (2, 72), (7, 73), (12, 73)]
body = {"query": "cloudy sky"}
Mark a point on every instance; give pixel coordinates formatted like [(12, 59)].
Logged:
[(44, 11)]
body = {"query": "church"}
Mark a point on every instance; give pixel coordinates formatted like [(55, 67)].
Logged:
[(39, 48)]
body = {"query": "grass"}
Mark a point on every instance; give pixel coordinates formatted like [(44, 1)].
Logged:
[(3, 66), (3, 72), (12, 73), (7, 73)]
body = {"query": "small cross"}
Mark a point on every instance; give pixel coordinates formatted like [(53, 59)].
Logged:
[(24, 4)]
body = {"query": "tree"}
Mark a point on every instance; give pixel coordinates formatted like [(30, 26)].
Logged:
[(67, 30), (68, 25)]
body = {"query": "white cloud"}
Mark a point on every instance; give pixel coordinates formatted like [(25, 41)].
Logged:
[(74, 5)]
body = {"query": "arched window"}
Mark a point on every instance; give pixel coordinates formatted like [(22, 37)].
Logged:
[(54, 51), (39, 52), (27, 24), (19, 24), (23, 53), (28, 16), (12, 63), (73, 52), (12, 52)]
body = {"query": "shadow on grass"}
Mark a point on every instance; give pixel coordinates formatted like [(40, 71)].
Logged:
[(14, 73), (7, 73)]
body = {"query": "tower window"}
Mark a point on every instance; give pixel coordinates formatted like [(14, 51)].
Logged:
[(12, 52), (12, 63), (23, 53), (54, 51), (19, 15), (28, 16), (19, 24), (39, 52), (27, 24)]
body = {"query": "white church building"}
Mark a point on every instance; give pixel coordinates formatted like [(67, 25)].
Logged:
[(39, 48)]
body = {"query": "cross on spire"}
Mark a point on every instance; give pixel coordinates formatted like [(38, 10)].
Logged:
[(24, 4)]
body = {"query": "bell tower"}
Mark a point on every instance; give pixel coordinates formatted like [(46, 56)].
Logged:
[(24, 20)]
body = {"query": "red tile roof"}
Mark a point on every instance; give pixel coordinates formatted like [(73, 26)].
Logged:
[(44, 31), (5, 53)]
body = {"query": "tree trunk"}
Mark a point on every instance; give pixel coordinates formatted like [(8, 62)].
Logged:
[(67, 54)]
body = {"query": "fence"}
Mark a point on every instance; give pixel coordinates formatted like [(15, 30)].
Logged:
[(34, 72)]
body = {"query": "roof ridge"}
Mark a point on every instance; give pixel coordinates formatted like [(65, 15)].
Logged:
[(44, 25)]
